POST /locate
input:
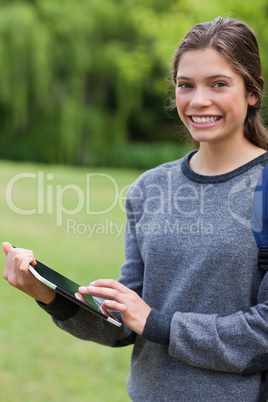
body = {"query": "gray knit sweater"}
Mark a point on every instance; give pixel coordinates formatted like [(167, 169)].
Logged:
[(191, 255)]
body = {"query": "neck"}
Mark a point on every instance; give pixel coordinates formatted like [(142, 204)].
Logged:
[(214, 159)]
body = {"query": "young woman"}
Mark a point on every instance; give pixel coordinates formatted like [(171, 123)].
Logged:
[(190, 294)]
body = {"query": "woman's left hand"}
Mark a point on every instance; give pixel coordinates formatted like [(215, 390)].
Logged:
[(118, 297)]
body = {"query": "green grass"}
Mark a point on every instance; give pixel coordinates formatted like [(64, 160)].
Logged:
[(38, 361)]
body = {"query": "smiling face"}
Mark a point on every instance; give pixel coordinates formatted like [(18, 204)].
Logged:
[(210, 96)]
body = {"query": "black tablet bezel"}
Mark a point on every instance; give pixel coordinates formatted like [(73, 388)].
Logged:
[(57, 281)]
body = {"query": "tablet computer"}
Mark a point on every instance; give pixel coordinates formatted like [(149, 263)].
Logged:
[(68, 289)]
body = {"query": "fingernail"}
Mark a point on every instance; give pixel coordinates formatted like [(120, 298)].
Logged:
[(92, 283)]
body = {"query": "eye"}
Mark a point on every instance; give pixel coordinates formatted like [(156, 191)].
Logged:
[(184, 85), (219, 84)]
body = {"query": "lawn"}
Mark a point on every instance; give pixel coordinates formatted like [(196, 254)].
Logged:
[(73, 219)]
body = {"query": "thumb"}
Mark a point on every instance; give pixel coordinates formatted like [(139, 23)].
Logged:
[(6, 247)]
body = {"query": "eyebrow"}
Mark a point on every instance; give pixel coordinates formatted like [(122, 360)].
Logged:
[(181, 77)]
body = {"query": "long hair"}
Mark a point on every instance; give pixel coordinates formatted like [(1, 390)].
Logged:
[(237, 43)]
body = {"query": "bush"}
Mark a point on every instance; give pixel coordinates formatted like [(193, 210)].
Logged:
[(70, 73), (141, 155)]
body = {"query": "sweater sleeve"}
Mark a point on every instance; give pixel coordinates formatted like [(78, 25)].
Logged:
[(85, 325), (236, 343)]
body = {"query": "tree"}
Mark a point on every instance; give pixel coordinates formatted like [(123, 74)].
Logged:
[(72, 74), (80, 77)]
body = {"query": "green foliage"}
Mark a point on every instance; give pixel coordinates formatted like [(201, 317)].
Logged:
[(40, 363), (78, 79), (71, 75), (142, 156)]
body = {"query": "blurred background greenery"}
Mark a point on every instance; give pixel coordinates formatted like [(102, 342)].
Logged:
[(38, 361), (84, 87), (81, 80)]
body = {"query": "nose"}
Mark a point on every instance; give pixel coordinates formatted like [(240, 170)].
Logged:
[(200, 99)]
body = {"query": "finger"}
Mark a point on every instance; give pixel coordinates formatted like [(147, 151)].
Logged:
[(105, 293), (80, 297), (17, 261), (110, 283), (105, 312), (113, 305), (17, 253), (20, 276), (6, 247), (93, 290), (25, 262), (84, 290), (24, 258)]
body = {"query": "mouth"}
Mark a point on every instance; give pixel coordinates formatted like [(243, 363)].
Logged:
[(204, 120)]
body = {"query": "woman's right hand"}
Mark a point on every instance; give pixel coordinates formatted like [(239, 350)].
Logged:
[(17, 274)]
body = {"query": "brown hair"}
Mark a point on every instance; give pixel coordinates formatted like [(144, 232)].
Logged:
[(235, 41)]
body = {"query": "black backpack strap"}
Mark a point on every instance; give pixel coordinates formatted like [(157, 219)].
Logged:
[(264, 394), (263, 258)]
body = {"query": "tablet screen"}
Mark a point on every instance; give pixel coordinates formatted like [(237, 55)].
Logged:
[(62, 282)]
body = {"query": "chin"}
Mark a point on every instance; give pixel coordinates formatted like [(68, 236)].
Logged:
[(203, 138), (208, 136)]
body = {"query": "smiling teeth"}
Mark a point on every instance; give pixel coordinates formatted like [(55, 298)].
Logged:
[(205, 120)]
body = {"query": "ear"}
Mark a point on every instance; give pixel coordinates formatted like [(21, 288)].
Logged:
[(252, 99)]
